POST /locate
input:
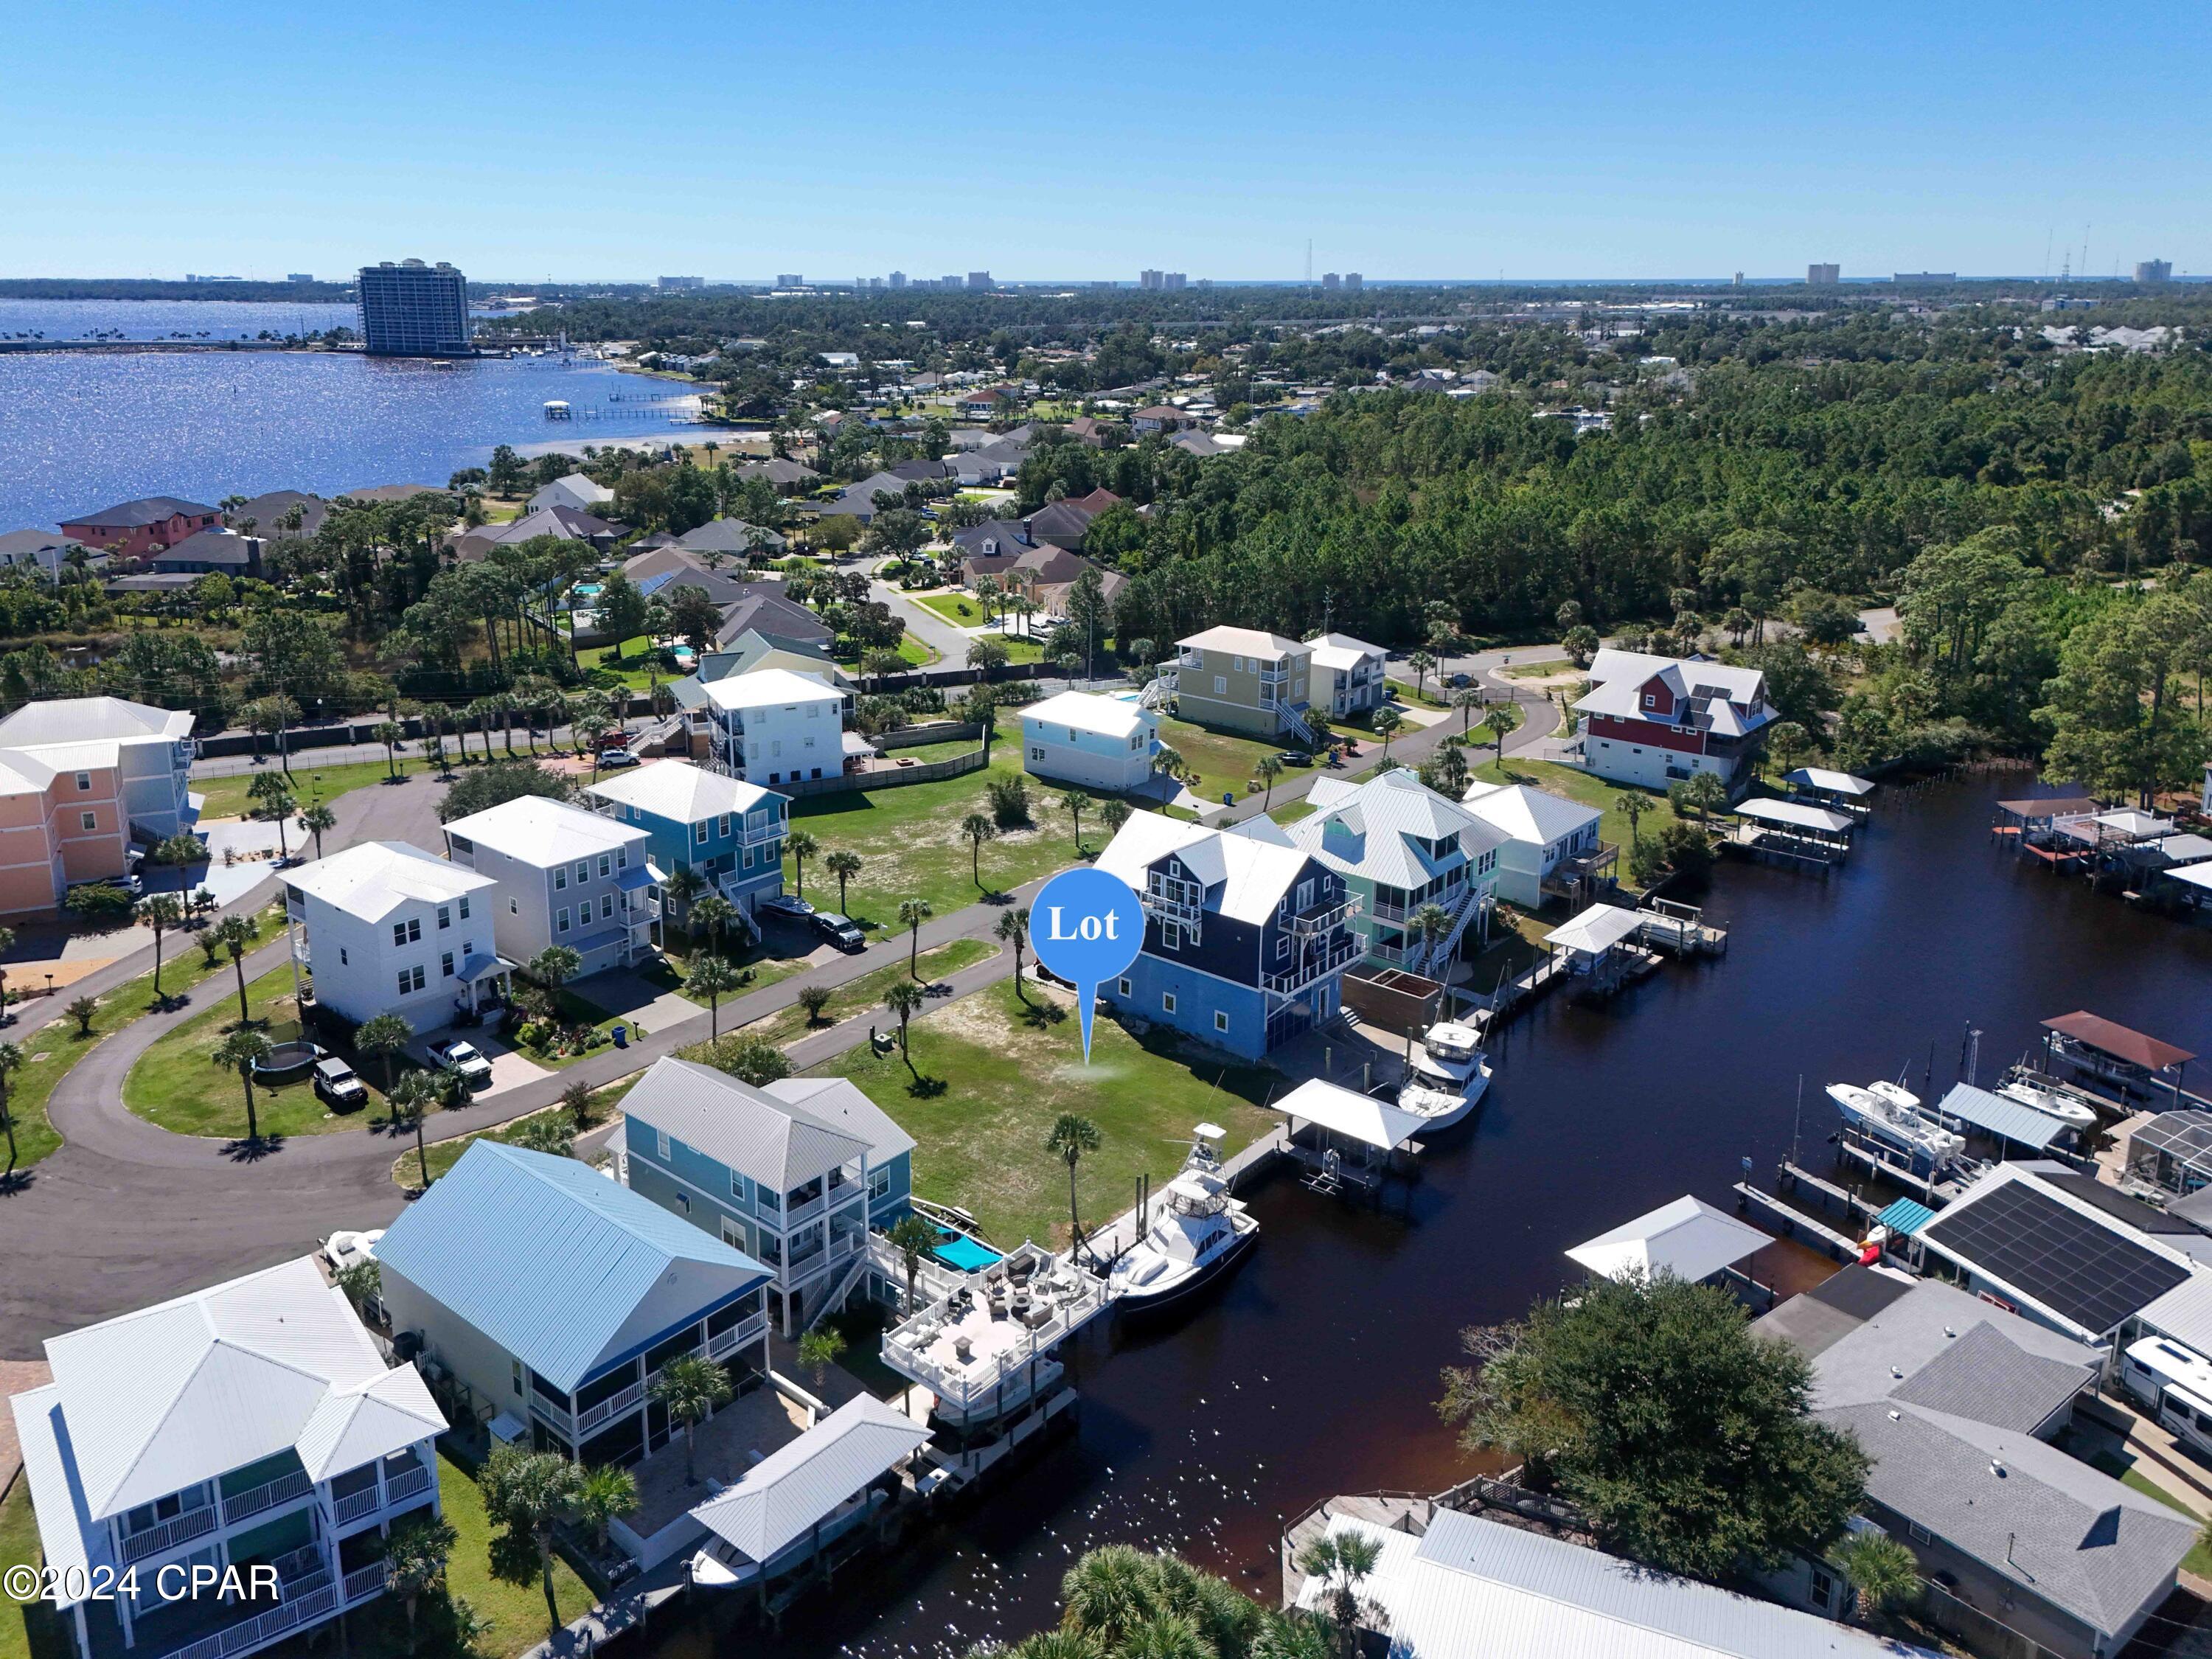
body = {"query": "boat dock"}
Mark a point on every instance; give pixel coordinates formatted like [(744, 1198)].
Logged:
[(1605, 949)]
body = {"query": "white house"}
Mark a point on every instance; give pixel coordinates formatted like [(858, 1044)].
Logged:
[(772, 727), (566, 876), (1101, 743), (576, 492), (389, 928), (252, 1425), (1651, 721), (1347, 674), (1552, 847)]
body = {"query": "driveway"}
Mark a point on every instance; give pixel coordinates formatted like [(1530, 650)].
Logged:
[(949, 641)]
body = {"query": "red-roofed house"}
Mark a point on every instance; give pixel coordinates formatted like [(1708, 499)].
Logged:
[(1651, 721)]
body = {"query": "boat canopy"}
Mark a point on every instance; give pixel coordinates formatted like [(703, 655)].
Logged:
[(1996, 1115), (1596, 930), (783, 1496), (1355, 1117), (1830, 782), (1797, 815), (2196, 875), (1688, 1238), (2118, 1041)]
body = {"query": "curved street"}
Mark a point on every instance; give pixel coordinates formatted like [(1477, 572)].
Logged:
[(125, 1215)]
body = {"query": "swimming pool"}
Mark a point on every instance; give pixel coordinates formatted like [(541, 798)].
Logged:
[(957, 1251)]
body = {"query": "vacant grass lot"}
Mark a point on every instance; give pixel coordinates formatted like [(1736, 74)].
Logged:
[(226, 797), (960, 609), (1224, 761), (177, 1085), (911, 846), (858, 996), (1006, 1075), (1600, 792)]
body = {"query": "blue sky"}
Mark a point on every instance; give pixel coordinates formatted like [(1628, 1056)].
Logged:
[(1407, 140)]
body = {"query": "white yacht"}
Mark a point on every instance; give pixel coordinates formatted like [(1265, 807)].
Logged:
[(2039, 1096), (1440, 1108), (1890, 1113), (1452, 1051), (1197, 1229)]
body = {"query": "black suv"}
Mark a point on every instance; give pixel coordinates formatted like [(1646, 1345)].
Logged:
[(840, 931)]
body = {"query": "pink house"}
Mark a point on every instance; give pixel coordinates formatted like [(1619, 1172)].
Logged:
[(62, 821), (135, 529)]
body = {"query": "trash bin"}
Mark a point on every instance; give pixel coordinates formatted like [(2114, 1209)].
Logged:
[(621, 1035)]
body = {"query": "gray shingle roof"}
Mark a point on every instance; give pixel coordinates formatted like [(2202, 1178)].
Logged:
[(151, 509)]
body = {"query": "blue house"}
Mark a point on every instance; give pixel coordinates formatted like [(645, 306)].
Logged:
[(797, 1173), (1246, 941), (556, 1296), (727, 831)]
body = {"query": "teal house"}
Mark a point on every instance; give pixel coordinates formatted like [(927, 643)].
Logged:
[(796, 1175), (728, 832)]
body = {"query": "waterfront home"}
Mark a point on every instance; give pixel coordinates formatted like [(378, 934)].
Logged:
[(279, 512), (796, 1174), (1650, 721), (1447, 1585), (770, 727), (567, 876), (1101, 743), (574, 491), (42, 550), (1243, 679), (215, 552), (1956, 1402), (1551, 848), (1686, 1237), (1348, 675), (1246, 942), (385, 928), (557, 1296), (726, 831), (1398, 846), (252, 1425), (131, 530), (82, 779)]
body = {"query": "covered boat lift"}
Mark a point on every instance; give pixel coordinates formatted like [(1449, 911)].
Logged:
[(2035, 825), (1346, 1141), (2123, 1060), (1599, 949), (1999, 1117), (1823, 787), (1687, 1239), (1793, 829)]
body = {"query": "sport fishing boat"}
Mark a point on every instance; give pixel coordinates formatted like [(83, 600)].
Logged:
[(1889, 1113), (1440, 1108), (1197, 1231), (2038, 1095), (1450, 1053)]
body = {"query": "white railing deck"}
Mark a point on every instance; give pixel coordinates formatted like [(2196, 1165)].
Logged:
[(311, 1598), (403, 1486), (750, 1329), (356, 1504), (266, 1496), (363, 1581), (177, 1529)]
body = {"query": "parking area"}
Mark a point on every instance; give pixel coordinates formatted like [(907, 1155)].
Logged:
[(510, 1068)]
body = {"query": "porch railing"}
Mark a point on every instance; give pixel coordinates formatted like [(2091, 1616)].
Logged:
[(400, 1487), (311, 1599), (266, 1496), (177, 1529), (363, 1581), (721, 1347), (592, 1416), (355, 1504)]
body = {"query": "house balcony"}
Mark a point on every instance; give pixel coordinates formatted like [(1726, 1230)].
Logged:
[(254, 1500), (1322, 922), (576, 1424), (306, 1601), (1165, 908), (1575, 874), (363, 1583), (1315, 963), (742, 1334), (169, 1535)]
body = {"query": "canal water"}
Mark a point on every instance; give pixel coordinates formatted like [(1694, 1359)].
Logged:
[(1316, 1370)]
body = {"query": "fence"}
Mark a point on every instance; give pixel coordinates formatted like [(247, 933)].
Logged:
[(928, 772)]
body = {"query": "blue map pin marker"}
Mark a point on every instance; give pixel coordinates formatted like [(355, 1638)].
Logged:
[(1085, 926)]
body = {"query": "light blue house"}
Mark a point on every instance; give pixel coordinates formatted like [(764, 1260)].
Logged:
[(556, 1295), (729, 832), (797, 1173)]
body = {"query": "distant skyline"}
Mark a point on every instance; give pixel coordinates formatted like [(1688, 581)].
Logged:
[(573, 142)]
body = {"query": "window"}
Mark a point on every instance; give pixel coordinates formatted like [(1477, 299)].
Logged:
[(1220, 1020), (88, 820), (606, 905), (84, 783), (1650, 701), (606, 863), (560, 919), (736, 1185), (724, 825), (1824, 1589), (583, 870), (1122, 984), (660, 1144), (560, 877), (1220, 685), (518, 1375), (445, 917), (879, 1185), (407, 933), (465, 909), (447, 962), (621, 858), (699, 832), (513, 908), (1167, 1002), (732, 1234), (1171, 936), (410, 980), (1036, 753), (1305, 894), (1282, 945), (1918, 1534), (683, 1204)]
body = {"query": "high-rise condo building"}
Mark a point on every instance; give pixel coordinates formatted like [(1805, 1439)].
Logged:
[(413, 310)]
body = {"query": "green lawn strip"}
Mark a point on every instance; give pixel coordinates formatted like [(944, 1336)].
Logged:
[(1600, 792), (923, 753), (911, 845), (858, 996), (1292, 810), (911, 651), (177, 1085), (2121, 1469), (672, 970), (959, 609), (1224, 761), (1004, 1080), (27, 1630), (517, 1611), (50, 1052), (226, 797), (407, 1168)]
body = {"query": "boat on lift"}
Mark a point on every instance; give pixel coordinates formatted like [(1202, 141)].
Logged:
[(1889, 1113), (2038, 1095), (1197, 1231)]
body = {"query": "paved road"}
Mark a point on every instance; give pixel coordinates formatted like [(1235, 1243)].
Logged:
[(126, 1214), (948, 641)]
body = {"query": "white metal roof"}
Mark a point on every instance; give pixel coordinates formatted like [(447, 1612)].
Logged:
[(375, 877), (1382, 829), (1086, 711), (1526, 813), (1739, 684), (2139, 826), (543, 832), (1836, 783), (1597, 929), (1360, 1117), (1253, 874), (783, 1495), (2184, 848), (187, 1390), (2196, 875), (1475, 1589), (1688, 1238), (1242, 642), (678, 790), (75, 720), (1796, 815), (769, 688), (1340, 652)]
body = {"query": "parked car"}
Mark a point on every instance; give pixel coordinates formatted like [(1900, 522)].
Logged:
[(840, 931), (783, 905), (1294, 757), (466, 1058), (616, 739), (337, 1084), (615, 759)]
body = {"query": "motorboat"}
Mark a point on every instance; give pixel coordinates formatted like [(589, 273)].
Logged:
[(1452, 1051), (1197, 1229), (1890, 1113), (1440, 1108), (2041, 1096)]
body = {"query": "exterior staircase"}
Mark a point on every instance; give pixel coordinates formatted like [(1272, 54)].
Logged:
[(1293, 721), (726, 884), (1161, 692), (1427, 959), (834, 1299)]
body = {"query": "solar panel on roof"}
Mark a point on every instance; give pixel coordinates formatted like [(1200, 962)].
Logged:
[(2077, 1268)]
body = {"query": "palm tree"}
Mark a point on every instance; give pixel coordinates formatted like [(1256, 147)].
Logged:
[(1883, 1572), (389, 733), (819, 1349), (714, 979), (1342, 1562), (411, 1099), (553, 967), (609, 1493), (1070, 1138), (415, 1557), (912, 1237), (688, 1389), (83, 1011), (1422, 665), (912, 913), (1013, 929), (799, 846), (241, 1051), (236, 934), (844, 864), (1467, 700), (530, 1494), (315, 820), (11, 1061), (1113, 814), (1429, 923), (385, 1035), (1386, 720), (1501, 721), (1269, 769), (1072, 804), (1107, 1595), (979, 829), (683, 886), (548, 1133), (1631, 804), (814, 998), (904, 999), (160, 913), (712, 912), (179, 853)]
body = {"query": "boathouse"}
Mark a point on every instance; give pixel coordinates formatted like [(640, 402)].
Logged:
[(1687, 1239), (1794, 830)]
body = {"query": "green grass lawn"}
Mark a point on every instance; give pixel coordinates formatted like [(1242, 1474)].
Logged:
[(858, 996), (911, 846), (177, 1085), (1004, 1080), (633, 659), (1600, 792), (922, 753), (959, 609), (1291, 811), (26, 1631), (2121, 1469), (911, 652), (673, 971), (442, 1155), (1223, 760), (517, 1611), (226, 797), (50, 1052)]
